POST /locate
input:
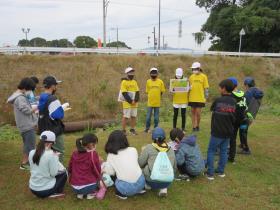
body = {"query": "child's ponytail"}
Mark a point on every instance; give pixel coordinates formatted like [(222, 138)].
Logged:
[(40, 148), (79, 145)]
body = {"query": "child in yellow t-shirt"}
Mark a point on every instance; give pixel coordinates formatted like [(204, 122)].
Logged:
[(130, 96), (154, 88), (180, 100), (198, 93)]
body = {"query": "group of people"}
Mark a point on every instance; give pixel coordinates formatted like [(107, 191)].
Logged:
[(159, 163)]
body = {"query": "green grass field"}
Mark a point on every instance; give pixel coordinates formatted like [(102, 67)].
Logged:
[(253, 183)]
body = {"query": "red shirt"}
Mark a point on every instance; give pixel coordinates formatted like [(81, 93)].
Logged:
[(82, 170)]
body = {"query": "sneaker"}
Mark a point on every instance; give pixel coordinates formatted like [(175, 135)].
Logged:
[(222, 175), (141, 192), (25, 166), (197, 129), (91, 196), (162, 192), (209, 177), (147, 187), (147, 130), (133, 132), (80, 196), (194, 129), (120, 196), (183, 177), (57, 195), (244, 152)]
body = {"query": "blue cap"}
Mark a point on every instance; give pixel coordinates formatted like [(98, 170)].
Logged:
[(234, 81), (158, 134), (249, 81)]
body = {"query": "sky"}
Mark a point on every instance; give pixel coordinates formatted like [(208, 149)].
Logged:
[(55, 19)]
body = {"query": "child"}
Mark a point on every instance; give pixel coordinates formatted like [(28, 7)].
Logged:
[(122, 162), (241, 118), (176, 135), (222, 125), (31, 95), (198, 93), (46, 180), (154, 88), (25, 117), (84, 168), (253, 97), (51, 113), (188, 156), (180, 100), (130, 93), (148, 158)]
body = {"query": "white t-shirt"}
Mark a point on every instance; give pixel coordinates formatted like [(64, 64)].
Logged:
[(124, 165)]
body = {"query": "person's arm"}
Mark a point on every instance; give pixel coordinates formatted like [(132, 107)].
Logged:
[(206, 87), (180, 157), (137, 96), (162, 87), (127, 97), (23, 105), (143, 158), (55, 109), (70, 165), (53, 165)]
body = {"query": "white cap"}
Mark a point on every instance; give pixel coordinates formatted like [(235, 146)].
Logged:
[(196, 65), (179, 72), (153, 69), (47, 136), (128, 69)]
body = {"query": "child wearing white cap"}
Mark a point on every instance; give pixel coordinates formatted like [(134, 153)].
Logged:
[(198, 93), (47, 179)]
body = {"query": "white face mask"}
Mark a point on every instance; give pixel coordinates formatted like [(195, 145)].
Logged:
[(196, 72), (28, 93)]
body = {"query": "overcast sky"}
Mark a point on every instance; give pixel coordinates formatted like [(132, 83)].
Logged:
[(55, 19)]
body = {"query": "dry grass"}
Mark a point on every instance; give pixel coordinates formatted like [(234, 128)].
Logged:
[(91, 82)]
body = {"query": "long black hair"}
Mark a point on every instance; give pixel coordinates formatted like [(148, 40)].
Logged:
[(40, 149), (116, 141)]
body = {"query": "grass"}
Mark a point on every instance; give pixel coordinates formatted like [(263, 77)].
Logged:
[(253, 183)]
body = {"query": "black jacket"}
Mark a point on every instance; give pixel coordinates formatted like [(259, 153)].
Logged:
[(241, 108), (223, 116)]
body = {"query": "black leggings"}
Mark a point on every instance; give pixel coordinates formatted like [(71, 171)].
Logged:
[(175, 116), (58, 187), (232, 144), (243, 138)]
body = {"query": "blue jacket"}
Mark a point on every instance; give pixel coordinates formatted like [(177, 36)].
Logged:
[(190, 155), (253, 92)]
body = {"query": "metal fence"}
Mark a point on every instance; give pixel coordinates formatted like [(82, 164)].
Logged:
[(74, 51)]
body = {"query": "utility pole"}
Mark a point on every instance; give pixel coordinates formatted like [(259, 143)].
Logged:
[(163, 47), (154, 32), (118, 40), (241, 33), (159, 2), (105, 6), (25, 31)]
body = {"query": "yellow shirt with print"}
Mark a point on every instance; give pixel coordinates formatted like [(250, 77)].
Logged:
[(198, 83), (129, 86), (154, 88)]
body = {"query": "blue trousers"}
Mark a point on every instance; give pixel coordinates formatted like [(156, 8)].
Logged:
[(215, 143), (149, 116), (158, 185), (130, 189), (86, 190)]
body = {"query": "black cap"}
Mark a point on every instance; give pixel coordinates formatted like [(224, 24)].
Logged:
[(49, 81)]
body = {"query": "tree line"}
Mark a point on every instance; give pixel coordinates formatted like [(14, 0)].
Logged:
[(79, 42)]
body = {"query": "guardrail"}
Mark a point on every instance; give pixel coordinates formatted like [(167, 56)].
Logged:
[(21, 50)]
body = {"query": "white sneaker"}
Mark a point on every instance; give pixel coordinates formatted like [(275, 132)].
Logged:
[(222, 175), (147, 187), (80, 196), (162, 192), (90, 196), (57, 195)]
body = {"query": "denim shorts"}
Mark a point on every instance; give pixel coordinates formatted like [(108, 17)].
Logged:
[(130, 189), (29, 141)]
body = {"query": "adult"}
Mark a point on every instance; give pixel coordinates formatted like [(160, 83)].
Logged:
[(48, 176), (198, 93), (25, 117), (154, 88), (130, 93), (51, 113)]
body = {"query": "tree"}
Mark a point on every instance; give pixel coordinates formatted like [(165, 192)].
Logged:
[(85, 42), (259, 18), (38, 42), (199, 37), (23, 43), (64, 43), (118, 44)]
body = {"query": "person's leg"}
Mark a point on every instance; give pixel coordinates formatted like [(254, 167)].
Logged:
[(156, 116), (124, 122), (223, 156), (158, 185), (59, 143), (60, 182), (198, 116), (29, 142), (86, 190), (133, 118), (44, 193), (148, 117), (193, 109), (212, 147), (183, 114), (244, 137), (232, 145), (175, 116)]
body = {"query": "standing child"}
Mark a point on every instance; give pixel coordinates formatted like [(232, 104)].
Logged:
[(25, 117), (154, 88), (198, 93), (31, 96), (122, 162), (84, 168), (149, 162), (47, 179), (253, 97), (180, 100), (241, 118), (222, 126), (130, 93)]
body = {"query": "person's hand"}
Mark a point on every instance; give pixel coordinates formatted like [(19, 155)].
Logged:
[(133, 103)]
